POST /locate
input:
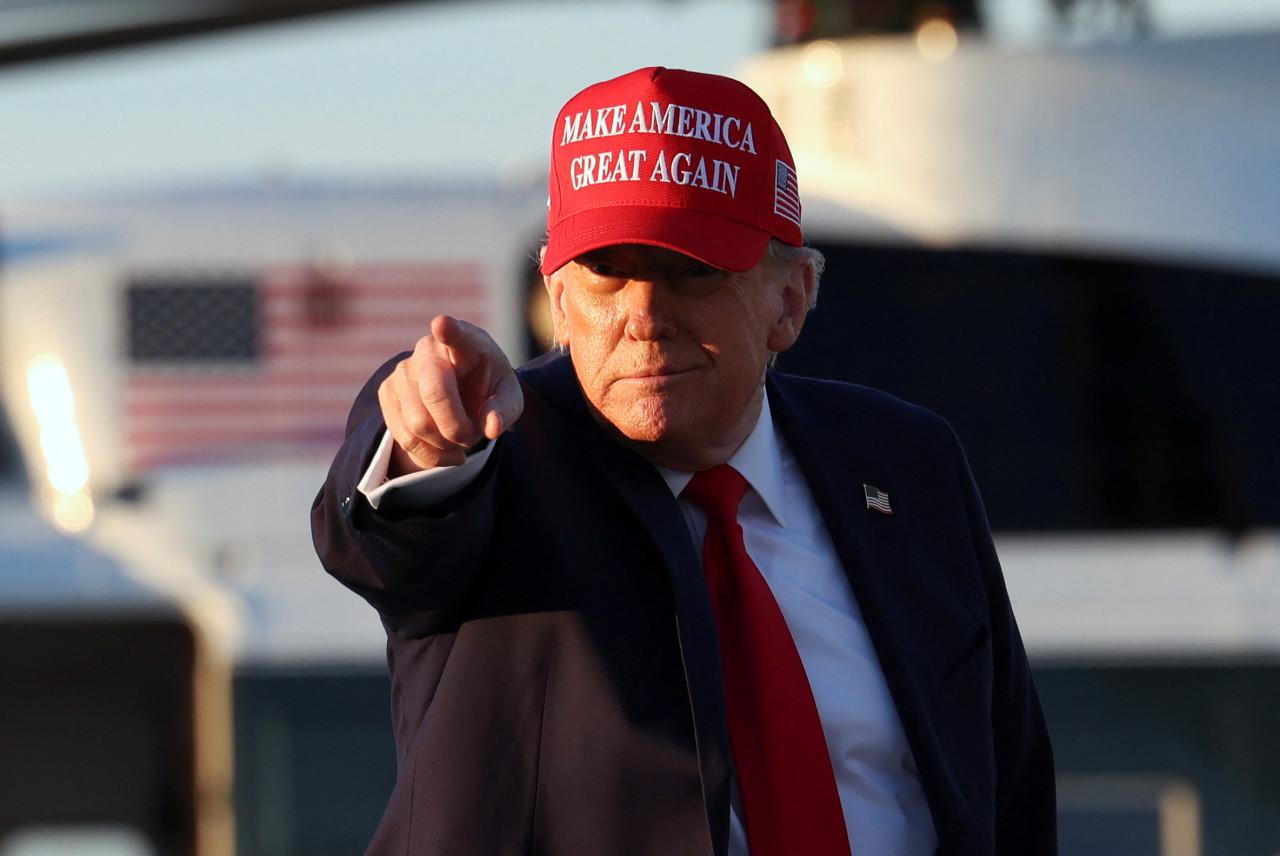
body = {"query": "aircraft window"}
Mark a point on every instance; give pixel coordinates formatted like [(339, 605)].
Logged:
[(1088, 393)]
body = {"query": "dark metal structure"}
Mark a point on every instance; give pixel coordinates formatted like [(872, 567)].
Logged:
[(32, 30)]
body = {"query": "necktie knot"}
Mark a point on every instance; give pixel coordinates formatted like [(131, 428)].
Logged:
[(717, 491)]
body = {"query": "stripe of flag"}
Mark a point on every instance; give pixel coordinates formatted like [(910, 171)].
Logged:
[(319, 340)]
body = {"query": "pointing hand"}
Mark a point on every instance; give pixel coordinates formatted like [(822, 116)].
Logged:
[(457, 388)]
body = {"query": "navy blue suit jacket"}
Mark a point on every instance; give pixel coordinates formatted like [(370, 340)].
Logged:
[(554, 662)]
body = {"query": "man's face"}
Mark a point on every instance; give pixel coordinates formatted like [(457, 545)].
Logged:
[(670, 351)]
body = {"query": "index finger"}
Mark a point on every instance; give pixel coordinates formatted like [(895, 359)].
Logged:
[(464, 342), (483, 385), (474, 349), (438, 390)]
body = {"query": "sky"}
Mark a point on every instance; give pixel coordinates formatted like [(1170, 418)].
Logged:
[(440, 90), (445, 88)]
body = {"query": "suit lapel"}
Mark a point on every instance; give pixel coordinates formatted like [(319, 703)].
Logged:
[(871, 545)]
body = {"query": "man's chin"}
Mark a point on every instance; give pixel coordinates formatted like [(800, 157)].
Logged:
[(653, 431), (646, 424)]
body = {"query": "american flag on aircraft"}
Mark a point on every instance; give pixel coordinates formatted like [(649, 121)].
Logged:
[(265, 365)]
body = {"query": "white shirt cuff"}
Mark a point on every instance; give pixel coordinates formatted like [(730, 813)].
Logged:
[(421, 489)]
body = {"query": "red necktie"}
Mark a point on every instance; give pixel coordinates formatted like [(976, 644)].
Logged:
[(789, 795)]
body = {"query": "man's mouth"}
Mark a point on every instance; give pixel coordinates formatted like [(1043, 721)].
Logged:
[(656, 374)]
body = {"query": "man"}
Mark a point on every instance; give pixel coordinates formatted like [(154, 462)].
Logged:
[(604, 640)]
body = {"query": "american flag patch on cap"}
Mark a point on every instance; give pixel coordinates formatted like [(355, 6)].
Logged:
[(786, 193), (877, 499)]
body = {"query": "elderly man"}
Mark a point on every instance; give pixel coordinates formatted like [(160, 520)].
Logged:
[(647, 596)]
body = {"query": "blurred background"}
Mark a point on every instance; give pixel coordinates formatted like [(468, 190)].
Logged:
[(1055, 222)]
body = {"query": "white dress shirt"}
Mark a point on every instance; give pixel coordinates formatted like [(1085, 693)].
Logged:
[(884, 806)]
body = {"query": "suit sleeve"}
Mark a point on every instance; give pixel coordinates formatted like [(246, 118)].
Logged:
[(413, 566), (1025, 799)]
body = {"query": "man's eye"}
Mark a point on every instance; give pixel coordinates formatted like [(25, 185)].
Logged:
[(703, 270), (603, 269)]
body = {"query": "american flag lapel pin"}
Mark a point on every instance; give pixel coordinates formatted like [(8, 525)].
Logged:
[(877, 499)]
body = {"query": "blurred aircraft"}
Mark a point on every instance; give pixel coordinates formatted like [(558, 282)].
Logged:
[(32, 30), (1069, 253)]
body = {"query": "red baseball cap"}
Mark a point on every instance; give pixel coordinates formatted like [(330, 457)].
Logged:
[(678, 159)]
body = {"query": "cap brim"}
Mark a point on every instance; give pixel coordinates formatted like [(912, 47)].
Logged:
[(726, 244)]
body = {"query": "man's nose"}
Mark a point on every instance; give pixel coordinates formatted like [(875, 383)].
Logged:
[(647, 315)]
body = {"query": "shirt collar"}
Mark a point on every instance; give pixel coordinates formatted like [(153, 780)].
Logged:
[(759, 459)]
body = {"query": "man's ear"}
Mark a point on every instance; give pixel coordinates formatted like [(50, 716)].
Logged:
[(796, 283), (559, 319)]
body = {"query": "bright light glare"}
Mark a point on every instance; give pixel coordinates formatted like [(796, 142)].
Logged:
[(64, 458), (73, 513), (50, 392), (823, 65), (936, 39)]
